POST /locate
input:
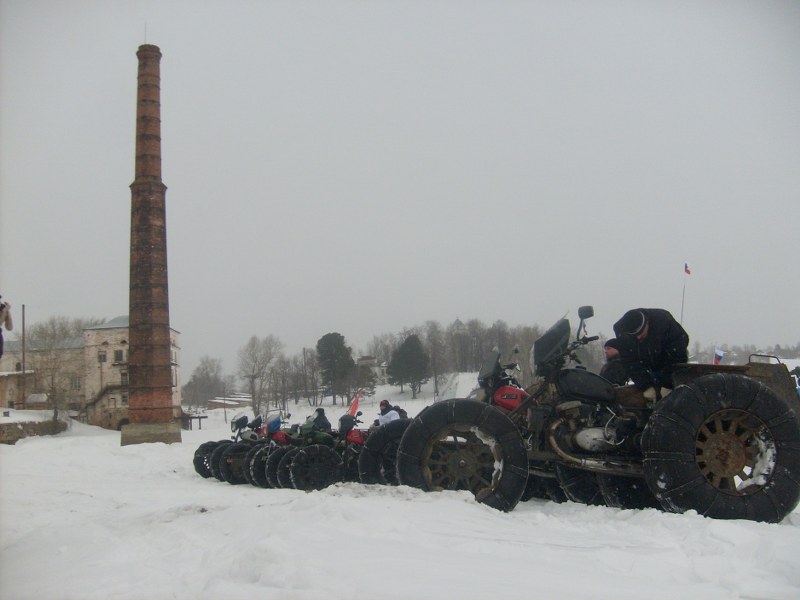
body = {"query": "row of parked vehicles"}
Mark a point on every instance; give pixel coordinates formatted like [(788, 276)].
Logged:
[(725, 442), (265, 453)]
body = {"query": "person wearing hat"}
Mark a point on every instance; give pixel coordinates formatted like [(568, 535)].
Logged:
[(651, 342), (321, 421), (387, 413), (613, 370), (5, 321)]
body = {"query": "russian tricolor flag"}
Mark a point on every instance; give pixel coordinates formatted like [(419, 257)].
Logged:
[(686, 269), (718, 354)]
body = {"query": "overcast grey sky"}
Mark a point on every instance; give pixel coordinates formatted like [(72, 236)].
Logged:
[(364, 166)]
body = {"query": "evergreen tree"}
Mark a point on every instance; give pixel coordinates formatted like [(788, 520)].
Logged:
[(335, 362), (409, 364), (365, 378)]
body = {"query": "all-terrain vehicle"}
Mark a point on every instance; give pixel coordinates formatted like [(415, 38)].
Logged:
[(318, 458), (255, 461), (210, 458), (725, 442)]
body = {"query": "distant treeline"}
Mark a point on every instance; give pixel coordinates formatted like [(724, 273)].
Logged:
[(458, 347)]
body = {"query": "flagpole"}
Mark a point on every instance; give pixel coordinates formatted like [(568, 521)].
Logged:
[(686, 272), (683, 297)]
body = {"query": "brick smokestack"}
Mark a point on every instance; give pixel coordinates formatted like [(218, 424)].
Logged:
[(150, 357)]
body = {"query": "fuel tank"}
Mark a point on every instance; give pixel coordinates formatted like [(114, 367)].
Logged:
[(508, 397), (580, 384)]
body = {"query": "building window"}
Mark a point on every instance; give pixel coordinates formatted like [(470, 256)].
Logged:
[(118, 356), (74, 382), (124, 376), (101, 356), (124, 399)]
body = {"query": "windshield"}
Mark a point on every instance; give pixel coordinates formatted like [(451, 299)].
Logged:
[(552, 344), (489, 365)]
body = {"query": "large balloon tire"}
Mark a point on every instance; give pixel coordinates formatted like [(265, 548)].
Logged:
[(626, 492), (377, 463), (555, 492), (258, 465), (543, 488), (315, 467), (487, 457), (247, 465), (232, 462), (215, 460), (579, 485), (202, 457), (271, 469), (725, 446), (284, 469)]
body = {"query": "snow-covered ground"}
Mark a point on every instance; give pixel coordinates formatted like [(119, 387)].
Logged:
[(83, 518)]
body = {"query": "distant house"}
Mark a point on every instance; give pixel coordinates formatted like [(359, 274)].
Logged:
[(232, 402), (379, 369), (96, 369), (24, 389), (10, 388)]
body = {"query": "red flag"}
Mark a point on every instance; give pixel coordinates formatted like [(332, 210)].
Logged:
[(354, 404), (686, 269)]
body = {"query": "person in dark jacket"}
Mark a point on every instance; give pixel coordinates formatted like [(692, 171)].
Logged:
[(321, 421), (651, 342), (613, 370)]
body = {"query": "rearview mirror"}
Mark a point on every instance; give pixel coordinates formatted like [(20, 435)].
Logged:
[(585, 312)]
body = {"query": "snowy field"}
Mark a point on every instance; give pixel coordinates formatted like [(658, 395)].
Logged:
[(83, 518)]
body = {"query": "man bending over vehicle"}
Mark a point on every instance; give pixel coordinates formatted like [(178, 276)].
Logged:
[(651, 342)]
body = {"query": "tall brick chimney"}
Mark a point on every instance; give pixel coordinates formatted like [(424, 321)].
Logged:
[(153, 417)]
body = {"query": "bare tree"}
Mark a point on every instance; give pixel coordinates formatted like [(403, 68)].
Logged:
[(206, 382), (280, 377), (255, 358), (435, 342), (56, 357), (297, 378), (383, 346), (311, 377)]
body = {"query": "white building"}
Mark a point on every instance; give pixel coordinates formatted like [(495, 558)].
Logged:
[(96, 379)]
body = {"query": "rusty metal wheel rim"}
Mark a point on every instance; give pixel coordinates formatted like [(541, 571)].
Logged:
[(461, 457), (735, 452)]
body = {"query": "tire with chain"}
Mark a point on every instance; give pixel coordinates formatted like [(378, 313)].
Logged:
[(271, 469), (247, 466), (377, 463), (201, 460), (214, 461), (725, 446), (626, 492), (284, 469), (465, 445), (258, 466), (579, 485), (232, 462), (315, 467)]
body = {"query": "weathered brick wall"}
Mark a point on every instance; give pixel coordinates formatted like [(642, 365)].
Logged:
[(11, 432)]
